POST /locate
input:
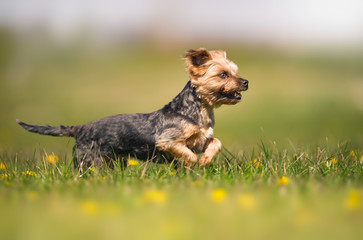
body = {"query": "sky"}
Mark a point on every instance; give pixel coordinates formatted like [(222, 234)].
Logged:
[(310, 22)]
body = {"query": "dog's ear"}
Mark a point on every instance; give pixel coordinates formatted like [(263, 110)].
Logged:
[(196, 62), (220, 53), (197, 57)]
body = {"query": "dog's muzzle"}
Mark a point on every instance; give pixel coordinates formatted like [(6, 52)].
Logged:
[(244, 83)]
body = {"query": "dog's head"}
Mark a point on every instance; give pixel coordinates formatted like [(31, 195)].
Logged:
[(215, 77)]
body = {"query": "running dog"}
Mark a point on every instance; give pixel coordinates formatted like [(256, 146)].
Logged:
[(179, 130)]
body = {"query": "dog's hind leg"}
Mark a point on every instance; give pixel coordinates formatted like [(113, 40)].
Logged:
[(87, 156)]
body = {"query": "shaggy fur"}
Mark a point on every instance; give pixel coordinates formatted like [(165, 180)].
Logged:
[(179, 130)]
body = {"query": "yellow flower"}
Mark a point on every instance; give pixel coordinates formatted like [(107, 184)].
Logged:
[(353, 154), (101, 179), (247, 201), (353, 201), (172, 173), (361, 159), (133, 162), (332, 162), (2, 166), (155, 196), (92, 169), (219, 195), (53, 159), (283, 181), (90, 207), (256, 163), (29, 173), (4, 176)]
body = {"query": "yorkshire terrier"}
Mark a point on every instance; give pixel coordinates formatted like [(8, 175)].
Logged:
[(179, 130)]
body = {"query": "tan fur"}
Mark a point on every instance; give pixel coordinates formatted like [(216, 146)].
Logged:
[(204, 69), (212, 149), (205, 77)]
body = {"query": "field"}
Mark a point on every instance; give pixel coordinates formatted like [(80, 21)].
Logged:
[(275, 194), (291, 165)]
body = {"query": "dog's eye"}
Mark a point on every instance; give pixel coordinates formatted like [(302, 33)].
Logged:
[(223, 75)]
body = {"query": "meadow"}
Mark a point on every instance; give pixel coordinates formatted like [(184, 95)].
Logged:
[(291, 165), (276, 194)]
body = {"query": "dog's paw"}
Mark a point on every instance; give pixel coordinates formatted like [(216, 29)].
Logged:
[(190, 161), (205, 160)]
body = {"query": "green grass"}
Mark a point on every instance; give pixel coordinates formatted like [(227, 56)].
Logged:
[(270, 192)]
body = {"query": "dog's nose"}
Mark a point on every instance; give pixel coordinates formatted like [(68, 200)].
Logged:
[(244, 82)]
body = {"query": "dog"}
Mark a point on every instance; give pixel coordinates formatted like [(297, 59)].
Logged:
[(179, 130)]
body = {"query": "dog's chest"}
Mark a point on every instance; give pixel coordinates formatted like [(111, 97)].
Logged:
[(204, 132), (198, 141)]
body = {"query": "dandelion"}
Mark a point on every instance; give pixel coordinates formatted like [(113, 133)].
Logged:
[(4, 176), (172, 173), (219, 195), (353, 154), (283, 181), (92, 169), (53, 159), (101, 179), (256, 163), (332, 162), (29, 173), (155, 196), (247, 201), (133, 162), (2, 166), (353, 201), (90, 207)]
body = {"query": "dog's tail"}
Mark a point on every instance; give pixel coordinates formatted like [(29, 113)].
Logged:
[(61, 131)]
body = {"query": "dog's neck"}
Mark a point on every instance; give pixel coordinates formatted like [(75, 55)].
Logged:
[(188, 104)]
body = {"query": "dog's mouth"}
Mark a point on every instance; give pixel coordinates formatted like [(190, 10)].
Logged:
[(236, 95)]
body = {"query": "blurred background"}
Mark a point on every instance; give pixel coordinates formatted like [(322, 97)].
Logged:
[(70, 62)]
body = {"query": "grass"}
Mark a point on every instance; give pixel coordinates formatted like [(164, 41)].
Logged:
[(289, 193)]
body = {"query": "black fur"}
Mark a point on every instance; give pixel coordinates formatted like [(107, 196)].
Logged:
[(123, 135)]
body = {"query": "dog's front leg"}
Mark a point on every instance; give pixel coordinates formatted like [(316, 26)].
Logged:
[(182, 152), (211, 149)]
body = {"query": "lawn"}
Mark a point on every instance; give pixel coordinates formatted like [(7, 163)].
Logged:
[(291, 165), (275, 194)]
